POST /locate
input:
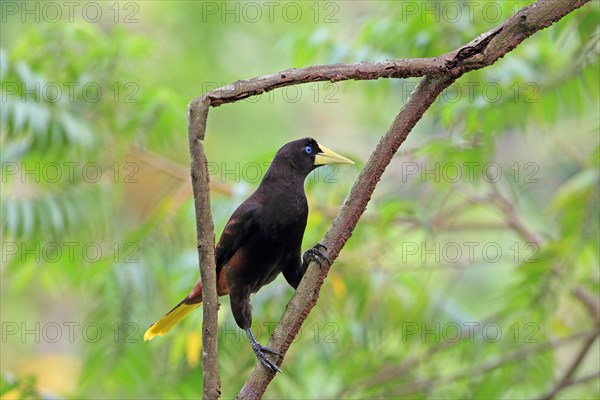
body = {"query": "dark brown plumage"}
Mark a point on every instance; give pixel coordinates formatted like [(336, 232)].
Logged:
[(261, 239)]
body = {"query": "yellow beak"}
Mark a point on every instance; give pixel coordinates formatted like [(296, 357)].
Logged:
[(326, 156)]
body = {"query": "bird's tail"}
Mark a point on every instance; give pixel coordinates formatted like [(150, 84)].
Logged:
[(179, 312)]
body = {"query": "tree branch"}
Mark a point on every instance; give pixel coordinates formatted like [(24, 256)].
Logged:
[(438, 72), (396, 372), (482, 51), (589, 300), (593, 307), (490, 365), (567, 377), (584, 379), (307, 292), (211, 384), (402, 68)]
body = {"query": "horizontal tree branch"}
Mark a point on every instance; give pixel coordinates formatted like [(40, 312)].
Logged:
[(482, 51), (402, 68)]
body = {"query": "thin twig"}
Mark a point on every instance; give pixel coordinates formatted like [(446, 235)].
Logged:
[(389, 372), (593, 307), (491, 365), (512, 218), (589, 300), (563, 382), (583, 379)]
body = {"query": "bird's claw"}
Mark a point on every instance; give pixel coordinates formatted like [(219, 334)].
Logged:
[(316, 255), (269, 350), (260, 351)]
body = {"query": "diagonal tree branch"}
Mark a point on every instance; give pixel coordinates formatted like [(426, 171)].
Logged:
[(590, 301), (567, 377), (594, 376), (307, 292), (438, 72)]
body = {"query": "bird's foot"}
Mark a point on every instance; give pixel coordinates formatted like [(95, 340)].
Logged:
[(260, 351), (315, 254)]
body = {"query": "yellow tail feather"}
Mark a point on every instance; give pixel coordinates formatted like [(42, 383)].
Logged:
[(166, 323)]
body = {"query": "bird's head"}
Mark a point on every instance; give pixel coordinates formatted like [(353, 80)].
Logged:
[(306, 154)]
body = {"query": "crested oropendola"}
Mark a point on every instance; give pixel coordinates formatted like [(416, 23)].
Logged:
[(261, 239)]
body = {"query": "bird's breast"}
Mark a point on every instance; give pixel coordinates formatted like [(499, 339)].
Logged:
[(276, 232)]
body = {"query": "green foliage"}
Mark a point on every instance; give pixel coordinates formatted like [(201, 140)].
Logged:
[(420, 303)]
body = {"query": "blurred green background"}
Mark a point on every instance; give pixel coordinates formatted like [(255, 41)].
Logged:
[(470, 275)]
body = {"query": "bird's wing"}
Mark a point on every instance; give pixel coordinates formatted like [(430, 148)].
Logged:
[(236, 232)]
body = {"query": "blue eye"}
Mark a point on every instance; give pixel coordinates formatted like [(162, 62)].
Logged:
[(308, 149)]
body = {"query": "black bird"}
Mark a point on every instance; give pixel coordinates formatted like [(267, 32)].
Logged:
[(261, 239)]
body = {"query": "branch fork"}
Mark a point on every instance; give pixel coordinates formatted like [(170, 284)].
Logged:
[(438, 73)]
